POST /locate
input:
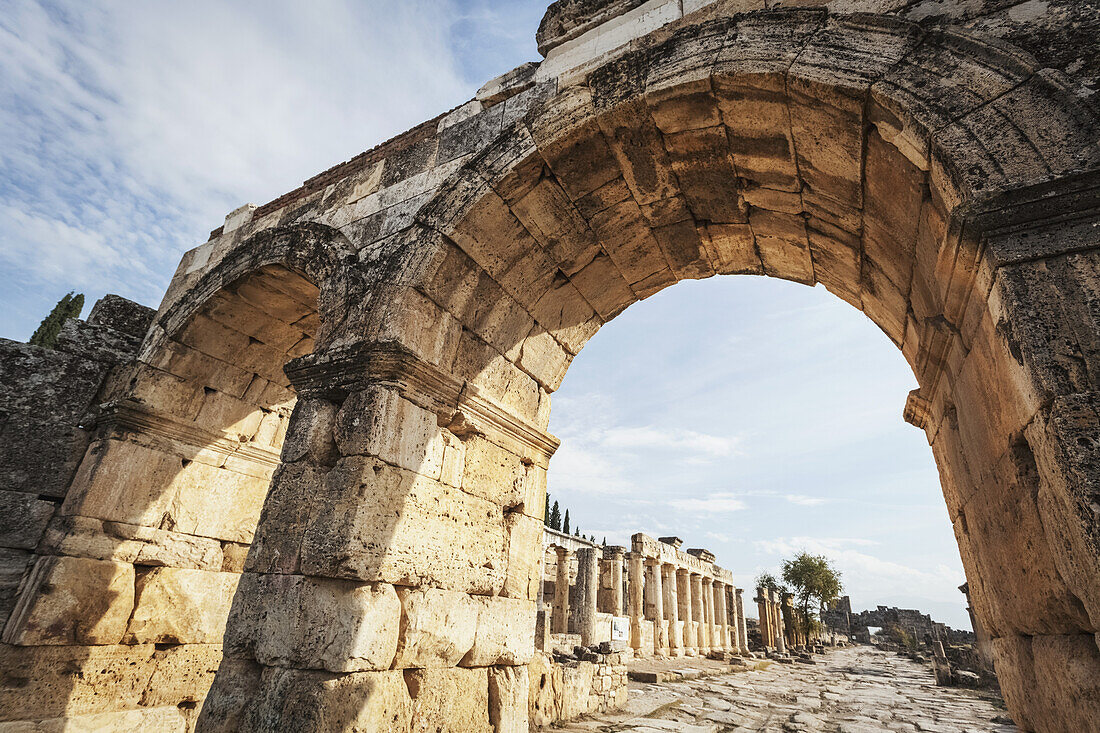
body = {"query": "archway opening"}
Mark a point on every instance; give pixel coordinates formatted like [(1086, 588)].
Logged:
[(154, 533)]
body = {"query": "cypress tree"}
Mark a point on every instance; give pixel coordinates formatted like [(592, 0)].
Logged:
[(47, 332), (565, 524), (546, 513), (604, 543), (555, 518)]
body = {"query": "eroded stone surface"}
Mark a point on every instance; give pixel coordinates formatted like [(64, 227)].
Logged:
[(855, 690)]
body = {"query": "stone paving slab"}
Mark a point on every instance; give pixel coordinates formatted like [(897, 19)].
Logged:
[(857, 690)]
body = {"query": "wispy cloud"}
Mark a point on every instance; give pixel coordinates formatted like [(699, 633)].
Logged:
[(131, 129), (717, 503)]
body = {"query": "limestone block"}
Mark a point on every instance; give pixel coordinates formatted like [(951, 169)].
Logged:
[(494, 377), (122, 481), (437, 627), (97, 539), (362, 702), (1067, 456), (577, 690), (545, 691), (148, 720), (508, 701), (182, 674), (1000, 529), (449, 700), (379, 422), (1067, 675), (178, 606), (215, 502), (49, 453), (376, 522), (70, 600), (294, 490), (417, 323), (314, 623), (23, 519), (311, 432), (502, 477), (50, 682), (505, 633), (233, 689), (13, 563), (524, 556)]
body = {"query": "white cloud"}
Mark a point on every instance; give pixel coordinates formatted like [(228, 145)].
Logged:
[(131, 129), (803, 500), (717, 503), (649, 437)]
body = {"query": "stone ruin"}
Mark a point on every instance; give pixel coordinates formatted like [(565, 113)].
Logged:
[(672, 602), (604, 605), (839, 618), (309, 495)]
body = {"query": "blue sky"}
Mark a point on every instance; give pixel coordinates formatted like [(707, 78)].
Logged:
[(753, 417)]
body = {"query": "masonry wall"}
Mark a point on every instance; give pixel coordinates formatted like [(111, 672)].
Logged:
[(46, 395)]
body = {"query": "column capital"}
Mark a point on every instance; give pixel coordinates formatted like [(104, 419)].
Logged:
[(562, 551)]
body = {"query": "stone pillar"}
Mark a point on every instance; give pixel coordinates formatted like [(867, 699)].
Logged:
[(764, 611), (742, 627), (707, 587), (702, 643), (561, 591), (588, 583), (722, 614), (656, 604), (672, 614), (780, 642), (617, 555), (683, 581), (634, 598)]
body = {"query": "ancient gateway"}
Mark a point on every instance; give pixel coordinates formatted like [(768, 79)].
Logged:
[(322, 473)]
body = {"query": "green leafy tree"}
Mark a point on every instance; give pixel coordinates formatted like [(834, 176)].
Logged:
[(767, 581), (565, 524), (555, 517), (814, 582), (47, 332)]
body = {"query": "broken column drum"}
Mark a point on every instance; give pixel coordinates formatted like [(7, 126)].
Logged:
[(338, 418)]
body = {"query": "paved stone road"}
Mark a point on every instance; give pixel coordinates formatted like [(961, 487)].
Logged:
[(858, 690)]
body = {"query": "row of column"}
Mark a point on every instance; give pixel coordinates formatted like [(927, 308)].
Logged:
[(672, 610), (768, 603), (689, 613)]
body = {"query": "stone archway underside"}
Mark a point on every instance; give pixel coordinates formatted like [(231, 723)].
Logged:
[(943, 184)]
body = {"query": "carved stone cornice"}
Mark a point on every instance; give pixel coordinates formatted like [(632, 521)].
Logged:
[(132, 416), (337, 372)]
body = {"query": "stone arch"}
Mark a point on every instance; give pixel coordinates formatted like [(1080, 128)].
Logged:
[(931, 179), (942, 184), (155, 529)]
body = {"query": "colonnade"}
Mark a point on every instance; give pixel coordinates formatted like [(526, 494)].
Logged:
[(679, 603), (769, 606)]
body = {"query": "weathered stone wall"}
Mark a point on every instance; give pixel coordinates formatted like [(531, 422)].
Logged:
[(564, 691), (427, 297)]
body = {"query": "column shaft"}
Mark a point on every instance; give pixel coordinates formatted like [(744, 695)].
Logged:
[(672, 614), (617, 582), (655, 590), (634, 598), (560, 620), (588, 580)]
